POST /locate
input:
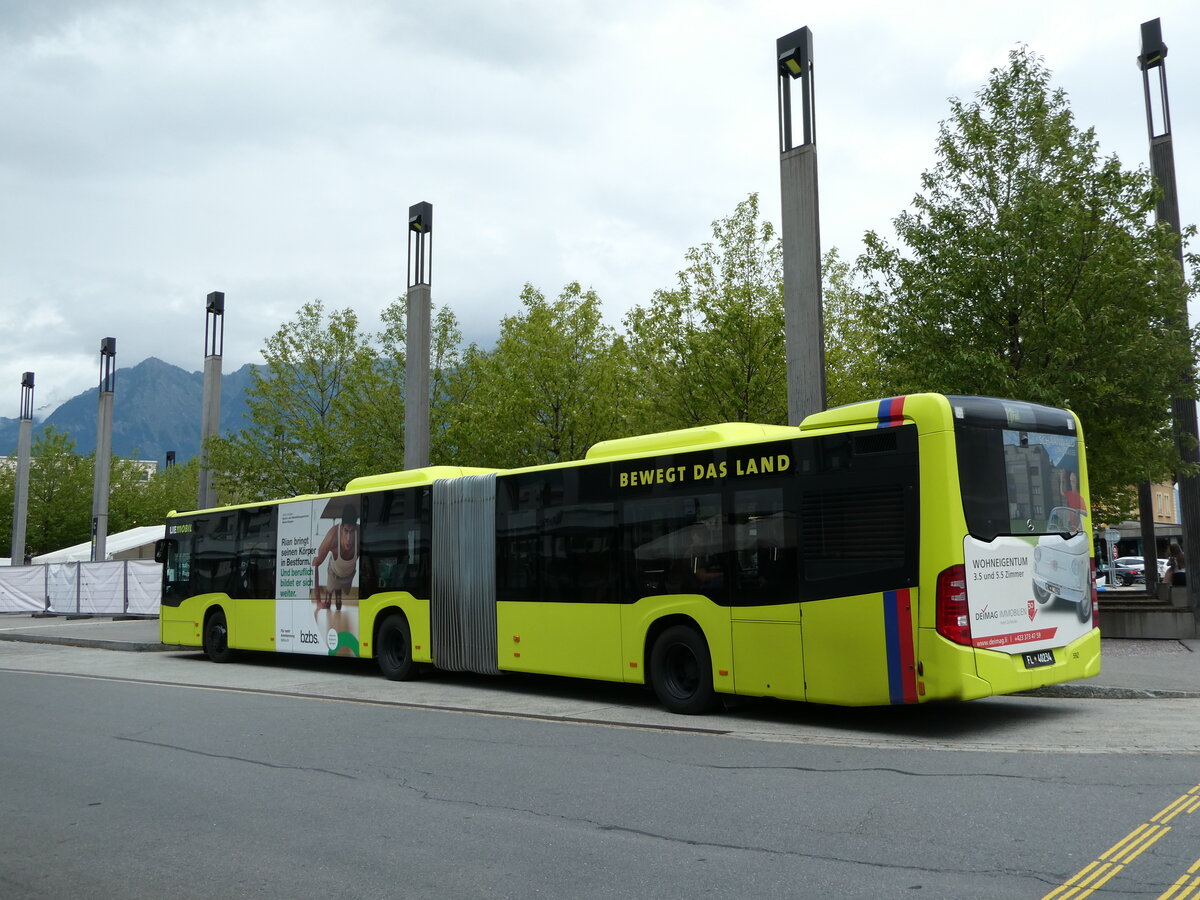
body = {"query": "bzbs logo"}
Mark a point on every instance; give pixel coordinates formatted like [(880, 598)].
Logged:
[(309, 637)]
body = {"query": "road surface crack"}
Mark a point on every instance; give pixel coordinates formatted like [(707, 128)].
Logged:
[(253, 762)]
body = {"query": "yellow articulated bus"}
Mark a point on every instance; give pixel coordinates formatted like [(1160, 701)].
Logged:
[(917, 548)]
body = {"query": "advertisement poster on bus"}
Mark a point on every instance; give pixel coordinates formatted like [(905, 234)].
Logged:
[(1029, 593), (316, 589)]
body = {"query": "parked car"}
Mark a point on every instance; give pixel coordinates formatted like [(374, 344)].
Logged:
[(1138, 564), (1123, 575)]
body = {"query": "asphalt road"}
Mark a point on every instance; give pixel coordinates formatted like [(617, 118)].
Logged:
[(161, 775)]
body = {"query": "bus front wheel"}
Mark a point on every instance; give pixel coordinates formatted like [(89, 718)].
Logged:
[(681, 671), (393, 649), (216, 637)]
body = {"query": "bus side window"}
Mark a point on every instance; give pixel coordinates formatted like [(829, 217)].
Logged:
[(764, 540), (519, 500), (214, 554), (578, 558), (256, 553), (676, 545), (177, 551), (395, 542)]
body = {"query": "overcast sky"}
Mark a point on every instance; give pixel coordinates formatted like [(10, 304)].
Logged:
[(152, 151)]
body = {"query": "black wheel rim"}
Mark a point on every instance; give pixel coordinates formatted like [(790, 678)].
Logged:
[(681, 671), (394, 650), (216, 637)]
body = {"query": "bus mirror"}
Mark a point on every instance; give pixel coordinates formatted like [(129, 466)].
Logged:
[(161, 547)]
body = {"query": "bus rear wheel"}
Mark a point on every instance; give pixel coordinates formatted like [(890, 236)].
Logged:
[(216, 637), (681, 671), (393, 649)]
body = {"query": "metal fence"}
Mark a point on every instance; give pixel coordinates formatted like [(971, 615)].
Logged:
[(114, 587)]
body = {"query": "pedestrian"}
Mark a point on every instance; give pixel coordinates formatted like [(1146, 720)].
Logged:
[(1176, 568)]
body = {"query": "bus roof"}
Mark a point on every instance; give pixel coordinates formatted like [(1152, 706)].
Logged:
[(699, 438)]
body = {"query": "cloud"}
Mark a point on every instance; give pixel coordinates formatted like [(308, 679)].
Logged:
[(155, 151)]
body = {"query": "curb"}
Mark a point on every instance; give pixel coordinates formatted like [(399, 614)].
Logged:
[(134, 646), (1100, 692)]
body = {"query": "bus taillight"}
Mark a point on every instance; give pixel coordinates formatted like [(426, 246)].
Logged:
[(953, 618), (1095, 597)]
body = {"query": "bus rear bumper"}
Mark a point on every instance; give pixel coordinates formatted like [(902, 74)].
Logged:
[(1008, 673)]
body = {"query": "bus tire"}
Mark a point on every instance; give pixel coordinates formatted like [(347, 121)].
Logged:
[(681, 671), (216, 637), (393, 649)]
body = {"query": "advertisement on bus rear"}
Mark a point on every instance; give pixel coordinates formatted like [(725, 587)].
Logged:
[(1027, 593), (317, 578)]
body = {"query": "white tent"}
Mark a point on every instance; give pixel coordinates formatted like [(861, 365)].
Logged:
[(114, 543)]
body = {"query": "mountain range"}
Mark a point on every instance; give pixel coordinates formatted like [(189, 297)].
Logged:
[(156, 408)]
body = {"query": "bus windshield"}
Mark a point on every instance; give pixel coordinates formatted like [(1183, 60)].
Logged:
[(1019, 474)]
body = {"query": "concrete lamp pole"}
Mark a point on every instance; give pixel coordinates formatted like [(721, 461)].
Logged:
[(210, 403), (1183, 409), (804, 324), (21, 488), (417, 340), (104, 416)]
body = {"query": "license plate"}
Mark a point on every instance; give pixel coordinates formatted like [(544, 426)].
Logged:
[(1041, 658)]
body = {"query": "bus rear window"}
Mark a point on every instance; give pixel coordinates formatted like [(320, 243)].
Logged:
[(1017, 481)]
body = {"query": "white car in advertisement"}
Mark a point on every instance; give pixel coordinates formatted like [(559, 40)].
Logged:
[(1061, 563)]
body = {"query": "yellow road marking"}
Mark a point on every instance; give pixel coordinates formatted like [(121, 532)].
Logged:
[(1169, 893), (1171, 811), (1146, 840), (1102, 869), (1101, 882), (1100, 872)]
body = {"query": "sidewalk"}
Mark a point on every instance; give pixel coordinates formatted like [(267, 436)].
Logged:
[(1130, 669), (105, 632)]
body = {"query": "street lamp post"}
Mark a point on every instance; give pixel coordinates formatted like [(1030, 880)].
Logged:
[(803, 317), (210, 403), (104, 415), (417, 340), (21, 488), (1183, 409)]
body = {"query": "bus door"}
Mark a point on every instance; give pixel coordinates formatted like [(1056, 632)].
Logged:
[(768, 649)]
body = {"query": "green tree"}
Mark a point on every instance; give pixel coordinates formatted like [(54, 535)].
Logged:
[(1028, 267), (8, 479), (852, 370), (712, 348), (302, 437), (377, 402), (60, 494), (135, 500), (549, 390)]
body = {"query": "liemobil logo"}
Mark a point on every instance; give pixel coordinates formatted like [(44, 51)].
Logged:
[(309, 637), (986, 614), (331, 638)]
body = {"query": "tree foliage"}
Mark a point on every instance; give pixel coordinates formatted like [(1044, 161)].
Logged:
[(59, 511), (549, 390), (852, 371), (302, 437), (1029, 267), (60, 494), (712, 348), (135, 500)]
